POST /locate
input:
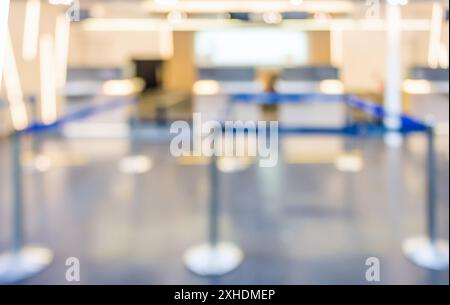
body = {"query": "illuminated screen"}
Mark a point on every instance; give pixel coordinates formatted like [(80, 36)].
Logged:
[(251, 47)]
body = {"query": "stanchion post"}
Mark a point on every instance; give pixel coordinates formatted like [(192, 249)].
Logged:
[(431, 186), (214, 203), (429, 252), (214, 258), (21, 262), (17, 207)]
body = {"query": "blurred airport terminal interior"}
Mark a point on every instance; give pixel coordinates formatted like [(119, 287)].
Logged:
[(354, 188)]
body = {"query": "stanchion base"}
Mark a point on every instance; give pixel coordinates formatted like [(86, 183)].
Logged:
[(424, 253), (206, 260), (16, 267)]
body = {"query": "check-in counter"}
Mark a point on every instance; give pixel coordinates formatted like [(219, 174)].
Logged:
[(212, 90)]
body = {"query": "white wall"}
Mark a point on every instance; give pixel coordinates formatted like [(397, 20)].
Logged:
[(113, 48), (364, 57)]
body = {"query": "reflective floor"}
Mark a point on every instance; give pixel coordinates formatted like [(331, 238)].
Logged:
[(303, 222)]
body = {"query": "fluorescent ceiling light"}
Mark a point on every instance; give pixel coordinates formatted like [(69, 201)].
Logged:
[(296, 2), (398, 2), (176, 16), (125, 87), (121, 25), (60, 2), (165, 2), (196, 6), (49, 113), (435, 35), (272, 18), (146, 25), (31, 30)]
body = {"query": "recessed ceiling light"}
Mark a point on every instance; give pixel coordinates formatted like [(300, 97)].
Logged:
[(272, 17), (176, 16), (166, 2)]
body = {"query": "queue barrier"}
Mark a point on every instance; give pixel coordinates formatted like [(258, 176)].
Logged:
[(23, 261), (216, 258)]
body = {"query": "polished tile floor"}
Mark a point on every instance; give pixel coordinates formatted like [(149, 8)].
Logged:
[(298, 223)]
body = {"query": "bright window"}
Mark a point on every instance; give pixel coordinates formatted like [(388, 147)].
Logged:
[(251, 47)]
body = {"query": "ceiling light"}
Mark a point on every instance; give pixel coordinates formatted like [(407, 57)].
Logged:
[(332, 86), (435, 35), (417, 86), (206, 87), (176, 17), (18, 110), (398, 2), (31, 29), (49, 112), (61, 2), (296, 2), (123, 87), (255, 6), (166, 2)]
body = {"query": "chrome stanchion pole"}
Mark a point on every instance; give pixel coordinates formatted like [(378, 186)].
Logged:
[(430, 251), (21, 262), (214, 258)]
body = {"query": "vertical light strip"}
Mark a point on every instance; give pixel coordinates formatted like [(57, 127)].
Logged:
[(49, 113), (19, 115), (62, 41), (337, 47), (434, 47), (4, 13), (31, 30)]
